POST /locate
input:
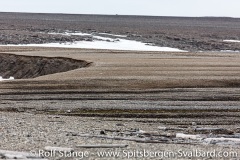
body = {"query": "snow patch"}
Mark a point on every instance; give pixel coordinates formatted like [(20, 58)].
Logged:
[(71, 34), (233, 41), (105, 39), (3, 79), (115, 35), (117, 45), (100, 42), (229, 51)]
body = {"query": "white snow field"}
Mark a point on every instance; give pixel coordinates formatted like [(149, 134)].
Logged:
[(100, 42)]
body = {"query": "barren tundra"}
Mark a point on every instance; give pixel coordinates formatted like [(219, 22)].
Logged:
[(100, 100)]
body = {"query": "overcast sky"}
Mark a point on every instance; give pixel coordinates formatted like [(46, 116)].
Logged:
[(227, 8)]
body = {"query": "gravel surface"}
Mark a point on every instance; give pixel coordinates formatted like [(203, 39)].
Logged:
[(121, 94), (191, 34), (30, 132)]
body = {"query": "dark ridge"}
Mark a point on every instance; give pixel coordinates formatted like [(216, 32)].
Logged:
[(23, 67)]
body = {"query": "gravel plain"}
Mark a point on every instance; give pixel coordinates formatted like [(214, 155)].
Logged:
[(124, 94), (139, 99), (33, 132)]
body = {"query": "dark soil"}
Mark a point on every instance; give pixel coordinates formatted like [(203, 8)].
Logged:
[(22, 67), (192, 34)]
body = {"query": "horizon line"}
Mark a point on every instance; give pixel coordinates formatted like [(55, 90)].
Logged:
[(117, 14)]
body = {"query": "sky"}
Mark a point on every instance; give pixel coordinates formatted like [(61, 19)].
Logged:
[(189, 8)]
